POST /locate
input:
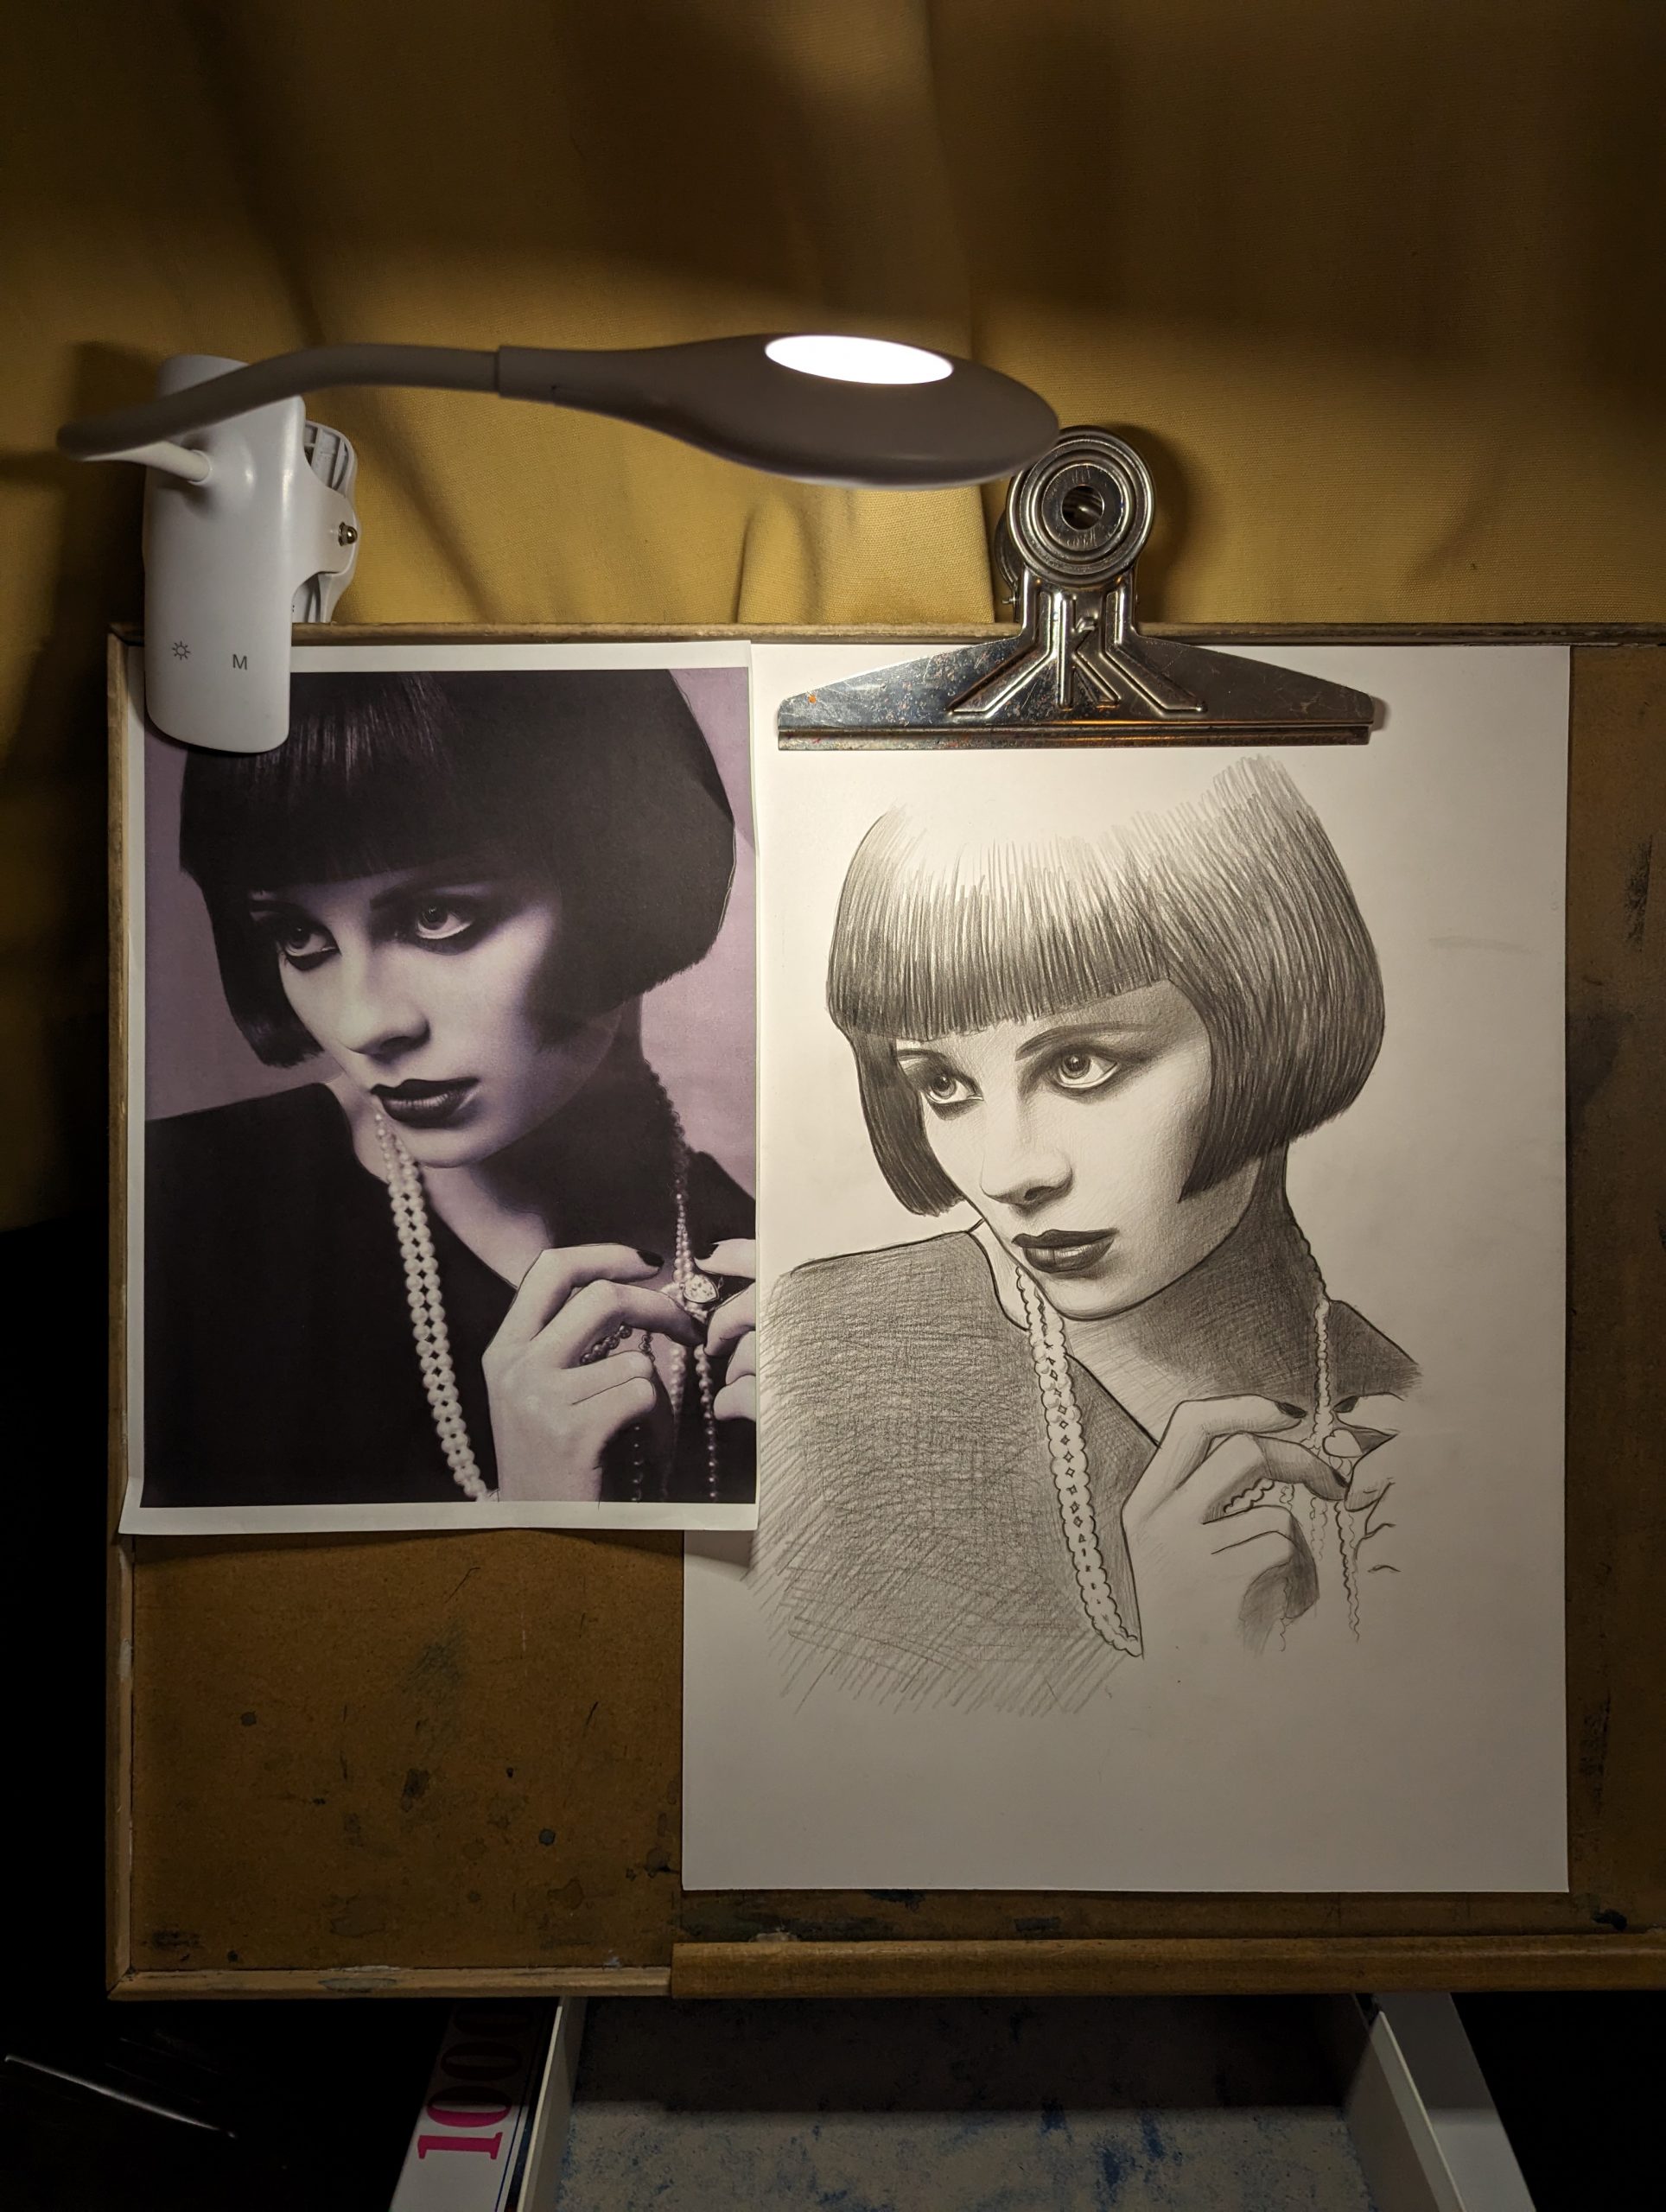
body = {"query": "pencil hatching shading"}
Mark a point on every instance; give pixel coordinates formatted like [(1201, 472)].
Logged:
[(1105, 1038)]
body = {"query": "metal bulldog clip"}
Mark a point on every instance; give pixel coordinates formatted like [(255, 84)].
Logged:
[(1080, 670)]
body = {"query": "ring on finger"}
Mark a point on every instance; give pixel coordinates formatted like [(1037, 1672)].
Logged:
[(699, 1295)]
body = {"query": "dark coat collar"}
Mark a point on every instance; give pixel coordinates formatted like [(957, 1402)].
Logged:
[(1244, 1320)]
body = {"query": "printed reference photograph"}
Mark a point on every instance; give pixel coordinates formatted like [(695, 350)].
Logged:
[(441, 1203)]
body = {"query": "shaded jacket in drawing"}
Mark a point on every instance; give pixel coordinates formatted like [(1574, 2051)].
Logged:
[(911, 1541)]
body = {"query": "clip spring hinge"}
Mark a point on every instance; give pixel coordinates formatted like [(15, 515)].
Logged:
[(1080, 670)]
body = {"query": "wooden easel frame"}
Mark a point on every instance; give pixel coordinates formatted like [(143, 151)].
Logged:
[(263, 1840)]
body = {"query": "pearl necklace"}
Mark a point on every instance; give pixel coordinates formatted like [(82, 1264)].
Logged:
[(694, 1291), (1067, 1452), (1068, 1459), (427, 1322)]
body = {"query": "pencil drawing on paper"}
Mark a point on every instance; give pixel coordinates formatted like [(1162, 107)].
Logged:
[(1120, 1414)]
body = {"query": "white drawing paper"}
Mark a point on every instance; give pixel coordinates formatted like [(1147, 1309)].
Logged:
[(1161, 1171)]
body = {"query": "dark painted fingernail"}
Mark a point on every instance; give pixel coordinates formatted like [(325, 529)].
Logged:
[(1294, 1412), (649, 1259)]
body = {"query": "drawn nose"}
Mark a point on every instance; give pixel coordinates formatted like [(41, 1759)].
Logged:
[(1019, 1170)]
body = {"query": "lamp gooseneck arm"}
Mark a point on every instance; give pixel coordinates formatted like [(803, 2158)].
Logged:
[(286, 376)]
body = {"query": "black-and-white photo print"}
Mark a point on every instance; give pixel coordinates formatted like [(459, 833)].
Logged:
[(441, 1203)]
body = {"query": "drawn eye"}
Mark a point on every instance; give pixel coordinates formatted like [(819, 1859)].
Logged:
[(1083, 1068), (941, 1087)]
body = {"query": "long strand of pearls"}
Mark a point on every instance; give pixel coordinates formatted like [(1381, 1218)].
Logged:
[(697, 1294), (1068, 1453), (428, 1321), (1333, 1444), (694, 1291)]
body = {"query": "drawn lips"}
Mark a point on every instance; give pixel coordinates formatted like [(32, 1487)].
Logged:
[(1066, 1252), (425, 1105)]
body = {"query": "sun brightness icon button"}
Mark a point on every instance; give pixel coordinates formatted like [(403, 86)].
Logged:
[(182, 650)]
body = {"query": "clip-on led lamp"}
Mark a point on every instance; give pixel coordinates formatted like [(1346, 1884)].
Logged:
[(249, 522)]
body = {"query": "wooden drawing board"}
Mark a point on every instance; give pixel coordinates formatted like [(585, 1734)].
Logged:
[(450, 1764)]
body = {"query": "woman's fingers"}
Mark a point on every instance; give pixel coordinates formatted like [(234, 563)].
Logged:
[(734, 1320), (737, 1400), (1194, 1429), (1295, 1462), (1235, 1470), (597, 1375), (735, 1256), (552, 1426), (596, 1420), (1242, 1462), (555, 1275), (743, 1360), (602, 1305), (1259, 1525)]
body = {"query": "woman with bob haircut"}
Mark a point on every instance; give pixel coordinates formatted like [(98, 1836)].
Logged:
[(475, 1257), (1117, 1416)]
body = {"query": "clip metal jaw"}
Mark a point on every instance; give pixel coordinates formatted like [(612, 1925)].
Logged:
[(1080, 670)]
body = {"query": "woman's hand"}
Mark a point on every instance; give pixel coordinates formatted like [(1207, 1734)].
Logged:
[(554, 1410), (1195, 1571), (734, 1330)]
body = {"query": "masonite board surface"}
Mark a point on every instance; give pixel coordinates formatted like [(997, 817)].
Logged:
[(451, 1764)]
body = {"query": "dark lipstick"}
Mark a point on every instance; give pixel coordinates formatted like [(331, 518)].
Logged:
[(424, 1105), (1066, 1252)]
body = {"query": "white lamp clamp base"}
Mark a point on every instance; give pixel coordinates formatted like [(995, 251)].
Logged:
[(248, 526)]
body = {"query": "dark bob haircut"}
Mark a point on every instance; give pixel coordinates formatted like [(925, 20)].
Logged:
[(595, 781), (1237, 898)]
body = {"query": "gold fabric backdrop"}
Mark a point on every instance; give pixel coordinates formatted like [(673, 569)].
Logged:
[(1375, 286)]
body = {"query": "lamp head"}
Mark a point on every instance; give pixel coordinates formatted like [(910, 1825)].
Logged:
[(823, 408)]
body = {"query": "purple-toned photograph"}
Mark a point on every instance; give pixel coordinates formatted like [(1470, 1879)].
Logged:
[(442, 1102)]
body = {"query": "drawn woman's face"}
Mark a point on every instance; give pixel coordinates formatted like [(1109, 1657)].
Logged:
[(1073, 1136), (423, 985)]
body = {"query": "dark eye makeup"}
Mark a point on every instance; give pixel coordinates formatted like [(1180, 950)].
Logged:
[(943, 1088), (299, 942), (447, 920), (1079, 1067), (433, 918)]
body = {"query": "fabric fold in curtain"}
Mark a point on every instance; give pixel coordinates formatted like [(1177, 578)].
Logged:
[(1373, 288)]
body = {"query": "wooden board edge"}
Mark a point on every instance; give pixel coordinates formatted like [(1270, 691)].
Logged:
[(1176, 1965), (1614, 1555), (118, 1797), (1213, 1967), (858, 633), (519, 1983), (118, 1650)]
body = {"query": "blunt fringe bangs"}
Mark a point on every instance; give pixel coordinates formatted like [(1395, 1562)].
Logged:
[(1237, 898), (599, 782)]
